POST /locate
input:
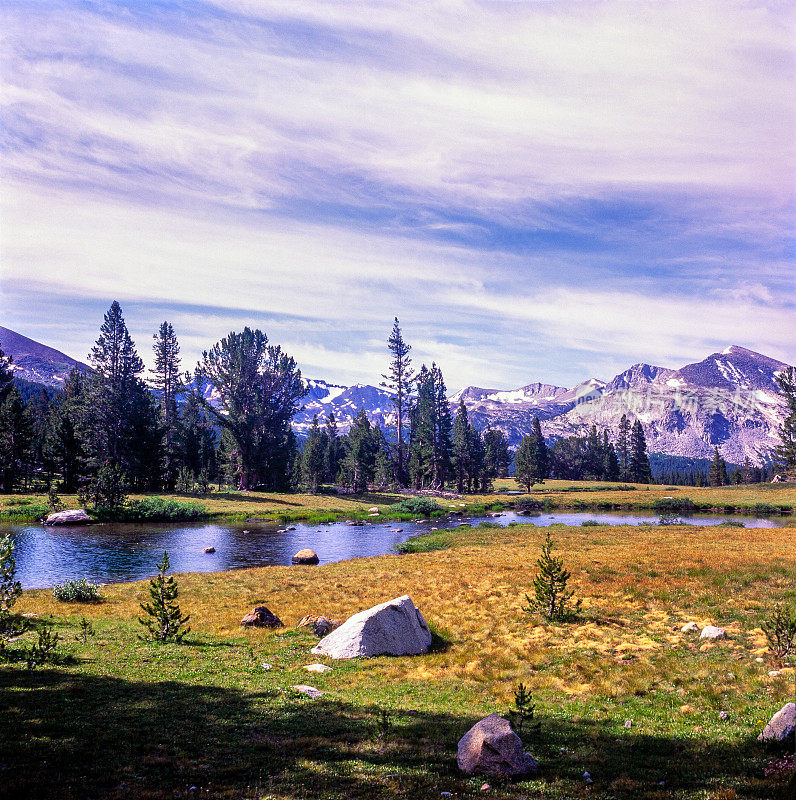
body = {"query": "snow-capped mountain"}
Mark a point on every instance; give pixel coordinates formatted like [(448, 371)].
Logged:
[(36, 362), (729, 400)]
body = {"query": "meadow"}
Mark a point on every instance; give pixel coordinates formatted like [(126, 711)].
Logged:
[(620, 692), (763, 499)]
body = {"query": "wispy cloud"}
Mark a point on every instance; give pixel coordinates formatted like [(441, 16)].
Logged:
[(467, 166)]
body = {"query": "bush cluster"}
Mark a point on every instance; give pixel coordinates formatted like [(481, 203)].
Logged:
[(423, 506), (79, 591)]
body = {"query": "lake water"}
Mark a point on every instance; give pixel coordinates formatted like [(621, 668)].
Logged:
[(114, 552)]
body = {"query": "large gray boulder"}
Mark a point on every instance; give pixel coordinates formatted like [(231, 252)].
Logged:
[(491, 747), (394, 628), (781, 726), (75, 516)]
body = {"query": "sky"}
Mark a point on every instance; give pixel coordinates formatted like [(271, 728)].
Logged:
[(540, 191)]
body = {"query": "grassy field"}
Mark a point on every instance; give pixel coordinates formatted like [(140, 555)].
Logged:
[(756, 498), (123, 718)]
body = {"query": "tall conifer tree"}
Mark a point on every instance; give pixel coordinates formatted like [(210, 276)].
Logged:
[(399, 380)]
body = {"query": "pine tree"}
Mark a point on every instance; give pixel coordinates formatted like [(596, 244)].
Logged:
[(718, 470), (69, 438), (164, 620), (595, 455), (312, 457), (443, 443), (167, 384), (399, 380), (334, 450), (526, 463), (120, 426), (359, 464), (497, 454), (623, 448), (610, 462), (259, 389), (640, 471), (540, 451), (785, 452), (461, 447), (747, 471), (15, 440), (6, 375), (551, 598)]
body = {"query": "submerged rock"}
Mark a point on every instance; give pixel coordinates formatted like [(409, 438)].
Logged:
[(394, 628), (305, 556)]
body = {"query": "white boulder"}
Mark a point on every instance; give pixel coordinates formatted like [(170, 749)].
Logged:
[(782, 726), (394, 628), (711, 633), (75, 516)]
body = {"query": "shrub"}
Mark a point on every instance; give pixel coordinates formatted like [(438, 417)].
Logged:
[(43, 649), (551, 598), (107, 490), (780, 630), (10, 587), (589, 523), (158, 509), (80, 591), (664, 504), (415, 505), (164, 620), (625, 487)]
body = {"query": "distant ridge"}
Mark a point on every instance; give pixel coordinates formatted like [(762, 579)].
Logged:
[(728, 400), (35, 362)]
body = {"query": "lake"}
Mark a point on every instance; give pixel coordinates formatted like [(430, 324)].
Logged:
[(113, 552)]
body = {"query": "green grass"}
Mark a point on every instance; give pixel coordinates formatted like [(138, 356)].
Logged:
[(122, 718)]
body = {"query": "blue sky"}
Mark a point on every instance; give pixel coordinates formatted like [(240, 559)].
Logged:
[(539, 190)]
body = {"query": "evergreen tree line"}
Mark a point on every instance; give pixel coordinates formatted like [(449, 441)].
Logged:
[(596, 456), (113, 429)]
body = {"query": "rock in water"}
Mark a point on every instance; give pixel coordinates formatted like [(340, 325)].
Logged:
[(491, 747), (77, 516), (209, 550), (305, 556), (394, 628), (261, 617), (781, 726), (711, 632)]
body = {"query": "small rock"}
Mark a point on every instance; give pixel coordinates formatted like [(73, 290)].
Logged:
[(781, 726), (246, 531), (310, 691), (266, 667), (305, 556), (760, 660), (373, 510), (724, 715), (399, 530), (774, 673), (209, 550), (290, 528), (317, 668), (261, 617), (321, 626), (587, 777), (628, 723), (711, 632), (690, 627), (485, 787)]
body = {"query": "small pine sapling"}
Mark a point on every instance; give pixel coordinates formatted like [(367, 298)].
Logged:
[(523, 711), (551, 598), (86, 629), (43, 650), (10, 587), (163, 619), (780, 630)]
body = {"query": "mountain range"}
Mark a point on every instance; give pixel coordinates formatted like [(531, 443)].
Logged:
[(729, 400)]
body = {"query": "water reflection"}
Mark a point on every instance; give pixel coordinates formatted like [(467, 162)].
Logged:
[(124, 552)]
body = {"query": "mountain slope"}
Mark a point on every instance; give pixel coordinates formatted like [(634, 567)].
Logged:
[(37, 362)]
